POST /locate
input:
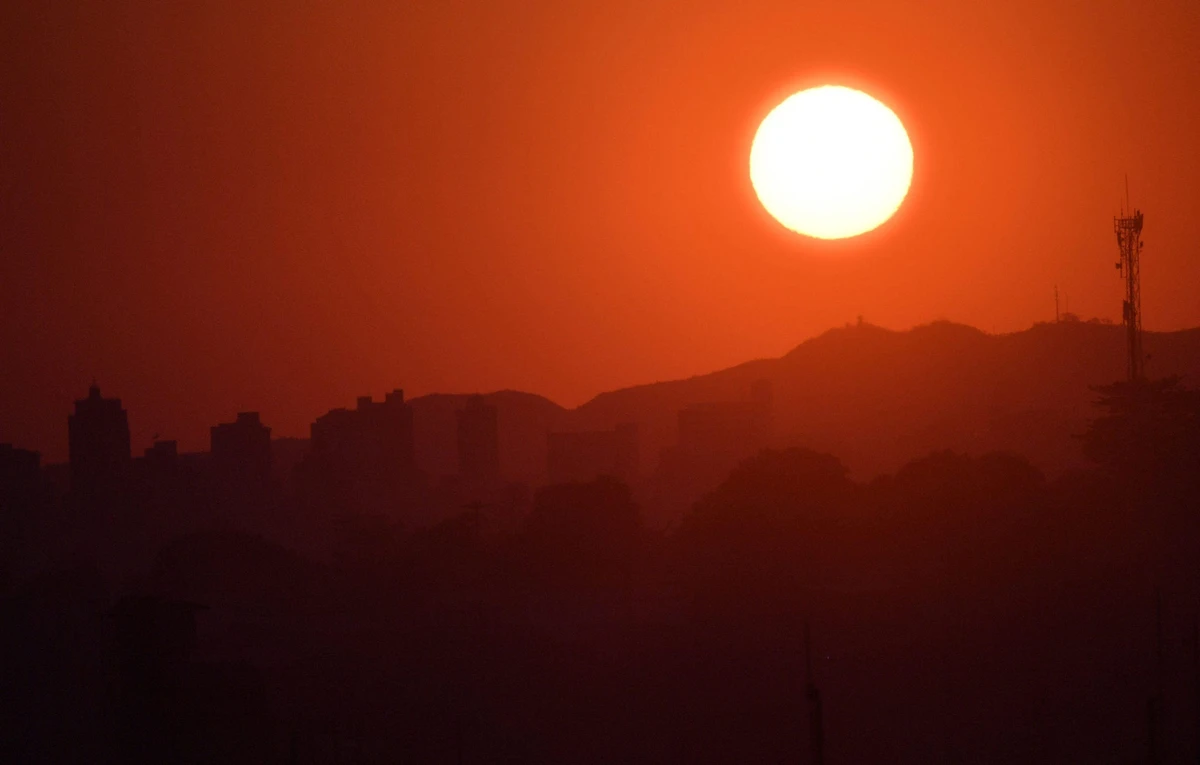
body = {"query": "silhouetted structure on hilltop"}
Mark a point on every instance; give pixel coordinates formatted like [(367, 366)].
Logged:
[(99, 443), (587, 455), (241, 450), (478, 441), (1128, 229)]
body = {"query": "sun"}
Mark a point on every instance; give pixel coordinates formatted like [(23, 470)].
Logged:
[(831, 162)]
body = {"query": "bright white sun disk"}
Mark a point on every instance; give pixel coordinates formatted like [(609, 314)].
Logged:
[(831, 162)]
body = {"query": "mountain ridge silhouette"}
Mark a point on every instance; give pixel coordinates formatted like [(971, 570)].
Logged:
[(874, 397)]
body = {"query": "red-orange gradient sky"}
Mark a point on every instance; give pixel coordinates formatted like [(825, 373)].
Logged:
[(216, 206)]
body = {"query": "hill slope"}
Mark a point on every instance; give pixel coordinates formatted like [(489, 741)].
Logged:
[(877, 398)]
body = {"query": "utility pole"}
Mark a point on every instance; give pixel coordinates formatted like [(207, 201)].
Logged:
[(816, 723), (1154, 705), (1196, 680), (1056, 315)]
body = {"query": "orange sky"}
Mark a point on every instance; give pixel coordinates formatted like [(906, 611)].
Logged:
[(210, 207)]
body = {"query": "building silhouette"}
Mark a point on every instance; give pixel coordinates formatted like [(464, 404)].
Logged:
[(362, 460), (587, 455), (163, 453), (159, 461), (714, 437), (98, 442), (478, 440), (375, 436), (727, 430), (241, 450), (20, 475)]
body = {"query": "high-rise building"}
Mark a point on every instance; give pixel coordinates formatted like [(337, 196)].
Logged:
[(241, 450), (727, 429), (585, 456), (99, 442), (159, 468), (373, 437), (20, 475), (714, 437), (363, 458), (478, 440), (162, 453)]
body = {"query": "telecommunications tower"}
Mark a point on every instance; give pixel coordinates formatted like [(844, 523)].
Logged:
[(1129, 240)]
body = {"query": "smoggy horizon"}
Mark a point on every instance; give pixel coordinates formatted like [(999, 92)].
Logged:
[(1094, 360), (219, 208)]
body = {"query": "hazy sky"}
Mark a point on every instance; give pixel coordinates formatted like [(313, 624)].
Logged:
[(218, 206)]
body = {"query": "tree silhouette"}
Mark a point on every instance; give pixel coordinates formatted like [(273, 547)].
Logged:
[(759, 540), (1149, 431), (582, 535)]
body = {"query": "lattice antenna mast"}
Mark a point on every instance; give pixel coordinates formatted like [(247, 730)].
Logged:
[(1128, 228)]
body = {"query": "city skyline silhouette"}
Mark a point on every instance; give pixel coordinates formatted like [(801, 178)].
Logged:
[(540, 383)]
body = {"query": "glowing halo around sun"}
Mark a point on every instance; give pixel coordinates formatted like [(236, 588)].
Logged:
[(831, 162)]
